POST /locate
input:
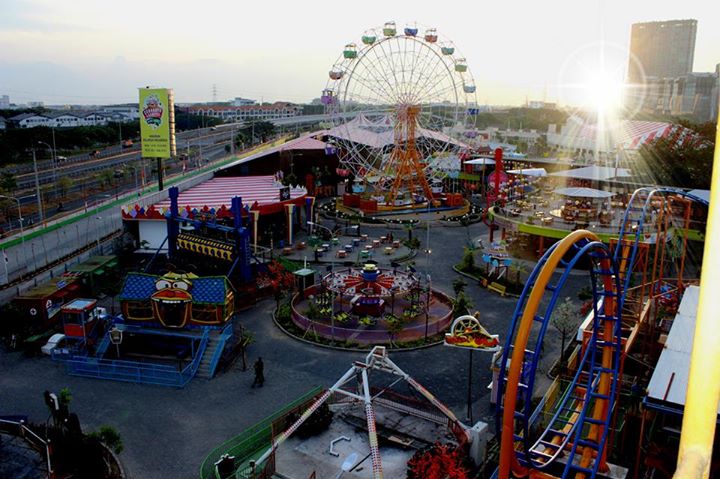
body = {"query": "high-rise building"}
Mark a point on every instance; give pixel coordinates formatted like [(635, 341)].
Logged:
[(663, 49)]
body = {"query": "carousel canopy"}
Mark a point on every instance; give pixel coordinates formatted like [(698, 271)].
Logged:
[(583, 192), (529, 172), (594, 172)]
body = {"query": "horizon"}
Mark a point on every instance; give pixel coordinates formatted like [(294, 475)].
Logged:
[(288, 56)]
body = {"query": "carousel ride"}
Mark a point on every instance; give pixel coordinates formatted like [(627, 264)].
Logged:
[(368, 305), (369, 287), (629, 279), (394, 100)]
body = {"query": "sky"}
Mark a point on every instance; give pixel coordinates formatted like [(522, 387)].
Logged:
[(98, 51)]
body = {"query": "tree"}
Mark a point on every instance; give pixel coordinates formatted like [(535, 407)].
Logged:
[(440, 461), (109, 436), (682, 162), (8, 182), (461, 305), (394, 326), (458, 285), (565, 320), (467, 264), (64, 183), (518, 268), (106, 177), (278, 279)]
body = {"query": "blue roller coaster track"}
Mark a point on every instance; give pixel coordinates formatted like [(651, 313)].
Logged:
[(578, 429)]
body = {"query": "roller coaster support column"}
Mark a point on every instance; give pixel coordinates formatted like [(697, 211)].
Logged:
[(242, 240), (173, 227), (698, 427)]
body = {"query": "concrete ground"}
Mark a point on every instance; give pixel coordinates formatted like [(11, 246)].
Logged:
[(168, 432)]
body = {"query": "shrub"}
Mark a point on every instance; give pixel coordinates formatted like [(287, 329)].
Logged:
[(109, 436), (467, 264)]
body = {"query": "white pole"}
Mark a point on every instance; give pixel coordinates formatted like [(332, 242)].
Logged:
[(5, 262), (37, 187)]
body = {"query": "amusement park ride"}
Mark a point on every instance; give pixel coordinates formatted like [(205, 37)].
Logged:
[(574, 441), (404, 92)]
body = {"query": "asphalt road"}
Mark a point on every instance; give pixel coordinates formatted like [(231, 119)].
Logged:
[(168, 432)]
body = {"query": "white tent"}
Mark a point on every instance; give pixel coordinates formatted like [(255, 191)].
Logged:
[(529, 172), (583, 192), (480, 161), (595, 173), (668, 383), (379, 132)]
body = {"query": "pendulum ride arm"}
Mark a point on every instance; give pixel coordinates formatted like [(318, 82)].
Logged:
[(372, 429), (424, 392), (314, 407)]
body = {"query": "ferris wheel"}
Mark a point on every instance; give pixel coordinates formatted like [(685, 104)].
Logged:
[(396, 98)]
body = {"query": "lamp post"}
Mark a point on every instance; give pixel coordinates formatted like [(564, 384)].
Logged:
[(37, 187)]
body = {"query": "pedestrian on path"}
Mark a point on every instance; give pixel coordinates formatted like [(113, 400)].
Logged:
[(259, 373)]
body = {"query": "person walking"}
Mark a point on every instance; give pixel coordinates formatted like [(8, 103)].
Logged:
[(259, 373)]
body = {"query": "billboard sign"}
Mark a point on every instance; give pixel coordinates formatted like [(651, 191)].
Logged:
[(156, 122)]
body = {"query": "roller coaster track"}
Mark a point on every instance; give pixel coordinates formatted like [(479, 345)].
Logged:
[(578, 429)]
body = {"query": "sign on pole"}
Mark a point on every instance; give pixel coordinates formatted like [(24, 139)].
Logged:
[(157, 123)]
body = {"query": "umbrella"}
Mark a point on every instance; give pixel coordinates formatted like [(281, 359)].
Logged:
[(529, 172), (584, 192)]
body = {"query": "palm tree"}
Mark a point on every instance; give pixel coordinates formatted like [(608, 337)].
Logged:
[(518, 268)]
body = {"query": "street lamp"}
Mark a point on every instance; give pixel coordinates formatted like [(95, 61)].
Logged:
[(37, 187)]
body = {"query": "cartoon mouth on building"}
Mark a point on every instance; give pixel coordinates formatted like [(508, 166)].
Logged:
[(172, 307)]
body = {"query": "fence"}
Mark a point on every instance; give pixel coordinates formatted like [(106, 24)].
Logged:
[(19, 429), (136, 372), (253, 441)]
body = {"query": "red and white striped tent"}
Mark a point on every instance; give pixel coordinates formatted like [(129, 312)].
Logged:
[(628, 134)]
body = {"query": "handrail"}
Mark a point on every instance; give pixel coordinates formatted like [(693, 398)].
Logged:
[(34, 439), (220, 347), (703, 391)]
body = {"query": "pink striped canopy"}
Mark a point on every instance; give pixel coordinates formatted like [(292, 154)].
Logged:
[(218, 192)]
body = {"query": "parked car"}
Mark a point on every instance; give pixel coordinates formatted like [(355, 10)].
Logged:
[(127, 144), (56, 341)]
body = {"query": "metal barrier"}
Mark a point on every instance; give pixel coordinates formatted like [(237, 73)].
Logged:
[(39, 444), (252, 441), (219, 348), (136, 372)]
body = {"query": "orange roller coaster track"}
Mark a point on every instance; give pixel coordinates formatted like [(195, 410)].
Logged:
[(578, 430)]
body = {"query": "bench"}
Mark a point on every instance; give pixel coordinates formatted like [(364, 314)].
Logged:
[(498, 288)]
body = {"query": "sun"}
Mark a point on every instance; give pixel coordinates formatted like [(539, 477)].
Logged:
[(603, 92)]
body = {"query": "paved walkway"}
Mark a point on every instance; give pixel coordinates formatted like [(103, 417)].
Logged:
[(168, 432)]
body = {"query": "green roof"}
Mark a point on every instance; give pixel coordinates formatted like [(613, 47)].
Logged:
[(93, 263)]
